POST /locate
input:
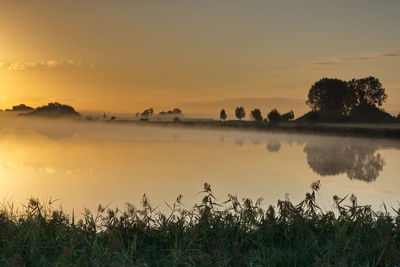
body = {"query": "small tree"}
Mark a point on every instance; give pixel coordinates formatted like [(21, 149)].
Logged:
[(147, 113), (256, 115), (274, 116), (223, 115), (240, 113)]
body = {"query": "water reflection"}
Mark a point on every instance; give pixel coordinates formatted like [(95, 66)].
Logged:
[(329, 156), (123, 161), (273, 145), (356, 160)]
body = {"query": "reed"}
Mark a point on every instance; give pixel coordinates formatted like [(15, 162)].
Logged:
[(232, 233)]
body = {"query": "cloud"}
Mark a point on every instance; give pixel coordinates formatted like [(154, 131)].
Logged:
[(44, 64), (338, 60)]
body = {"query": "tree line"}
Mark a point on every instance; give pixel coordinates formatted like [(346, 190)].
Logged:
[(333, 100), (274, 116)]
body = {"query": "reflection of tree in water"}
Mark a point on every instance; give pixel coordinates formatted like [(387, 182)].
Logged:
[(366, 167), (355, 159), (55, 133), (239, 141), (328, 159), (256, 140), (273, 145)]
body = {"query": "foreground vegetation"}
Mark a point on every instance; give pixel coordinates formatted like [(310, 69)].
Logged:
[(233, 233)]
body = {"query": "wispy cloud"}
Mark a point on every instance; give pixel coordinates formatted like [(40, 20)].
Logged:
[(44, 64), (338, 60)]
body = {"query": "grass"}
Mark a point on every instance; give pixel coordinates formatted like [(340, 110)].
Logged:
[(370, 130), (231, 233)]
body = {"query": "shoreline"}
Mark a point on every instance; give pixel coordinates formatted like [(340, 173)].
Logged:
[(326, 129)]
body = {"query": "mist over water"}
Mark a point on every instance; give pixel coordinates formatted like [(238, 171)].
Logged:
[(84, 164)]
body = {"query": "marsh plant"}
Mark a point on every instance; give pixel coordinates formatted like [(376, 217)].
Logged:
[(229, 233)]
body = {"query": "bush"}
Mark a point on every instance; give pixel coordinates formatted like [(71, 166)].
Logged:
[(288, 116)]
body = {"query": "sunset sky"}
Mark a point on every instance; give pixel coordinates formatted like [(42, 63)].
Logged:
[(201, 56)]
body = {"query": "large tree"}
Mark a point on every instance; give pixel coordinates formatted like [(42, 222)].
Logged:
[(367, 91), (330, 96)]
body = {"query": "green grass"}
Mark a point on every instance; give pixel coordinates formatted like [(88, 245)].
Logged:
[(232, 233)]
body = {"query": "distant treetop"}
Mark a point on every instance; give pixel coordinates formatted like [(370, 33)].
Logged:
[(240, 113), (223, 115), (54, 110), (20, 107), (256, 115), (175, 111), (274, 116)]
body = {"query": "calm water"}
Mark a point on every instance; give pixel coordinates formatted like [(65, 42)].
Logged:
[(85, 164)]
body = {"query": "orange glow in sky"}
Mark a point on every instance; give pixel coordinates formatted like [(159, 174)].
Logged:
[(125, 56)]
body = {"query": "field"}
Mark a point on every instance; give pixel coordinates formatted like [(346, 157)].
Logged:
[(231, 233)]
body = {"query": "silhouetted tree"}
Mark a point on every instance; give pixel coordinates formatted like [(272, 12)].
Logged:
[(274, 116), (288, 116), (240, 113), (330, 96), (54, 110), (367, 91), (256, 115), (20, 107), (148, 112), (176, 111), (223, 115)]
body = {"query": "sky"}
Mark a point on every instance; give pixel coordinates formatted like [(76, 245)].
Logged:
[(125, 56)]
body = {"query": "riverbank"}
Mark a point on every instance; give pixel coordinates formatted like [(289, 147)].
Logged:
[(384, 130), (229, 233)]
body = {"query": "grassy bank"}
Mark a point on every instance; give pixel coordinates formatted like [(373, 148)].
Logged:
[(231, 233), (369, 130)]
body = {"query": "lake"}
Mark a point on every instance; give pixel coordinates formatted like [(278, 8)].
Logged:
[(82, 164)]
